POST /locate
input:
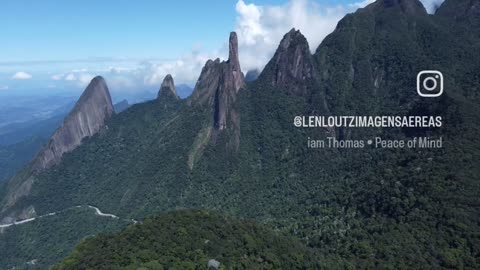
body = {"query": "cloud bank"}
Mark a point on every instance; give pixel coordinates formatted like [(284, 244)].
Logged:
[(260, 28), (21, 75)]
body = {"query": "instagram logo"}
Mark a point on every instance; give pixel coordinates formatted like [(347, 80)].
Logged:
[(430, 83)]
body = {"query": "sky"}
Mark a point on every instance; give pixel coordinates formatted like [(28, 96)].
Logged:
[(59, 46)]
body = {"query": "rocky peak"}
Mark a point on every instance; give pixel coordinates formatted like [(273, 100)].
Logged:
[(460, 9), (233, 51), (167, 89), (234, 72), (219, 83), (411, 7), (89, 115), (291, 65)]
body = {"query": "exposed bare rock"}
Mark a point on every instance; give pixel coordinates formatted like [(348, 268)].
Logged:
[(167, 90), (88, 116), (217, 89), (460, 10), (219, 83), (411, 7), (291, 65)]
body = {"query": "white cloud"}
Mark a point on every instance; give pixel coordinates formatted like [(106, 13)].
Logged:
[(57, 77), (80, 70), (260, 28), (362, 3), (70, 77), (21, 76), (121, 82), (184, 70), (430, 5), (85, 78), (81, 79)]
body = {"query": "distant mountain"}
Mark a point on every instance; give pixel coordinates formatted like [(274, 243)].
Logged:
[(167, 89), (15, 156), (232, 147), (184, 90), (121, 106), (252, 75)]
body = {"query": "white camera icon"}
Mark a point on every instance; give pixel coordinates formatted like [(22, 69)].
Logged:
[(430, 83)]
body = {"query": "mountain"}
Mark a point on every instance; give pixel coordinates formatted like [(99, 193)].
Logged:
[(216, 91), (121, 106), (167, 89), (199, 240), (15, 156), (232, 147), (252, 75), (291, 66), (184, 90), (88, 116)]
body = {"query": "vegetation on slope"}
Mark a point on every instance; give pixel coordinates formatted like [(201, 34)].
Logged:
[(190, 239), (358, 208)]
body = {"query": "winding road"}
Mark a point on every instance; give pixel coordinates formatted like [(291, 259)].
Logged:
[(97, 212)]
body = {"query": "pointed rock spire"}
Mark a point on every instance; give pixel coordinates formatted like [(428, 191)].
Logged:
[(291, 65), (167, 89), (219, 83), (411, 7), (92, 110), (234, 61)]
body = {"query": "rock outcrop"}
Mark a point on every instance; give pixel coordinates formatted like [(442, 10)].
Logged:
[(410, 7), (460, 10), (88, 116), (218, 85), (167, 89), (217, 89), (292, 65)]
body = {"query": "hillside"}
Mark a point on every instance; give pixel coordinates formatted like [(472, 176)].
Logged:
[(191, 240), (232, 147)]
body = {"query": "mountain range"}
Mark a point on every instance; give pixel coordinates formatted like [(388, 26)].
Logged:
[(231, 148)]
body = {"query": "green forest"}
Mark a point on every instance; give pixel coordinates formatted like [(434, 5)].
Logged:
[(272, 203)]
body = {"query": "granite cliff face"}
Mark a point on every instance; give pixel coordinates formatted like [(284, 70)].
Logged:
[(88, 116), (218, 85), (216, 89), (461, 10), (412, 7), (291, 65), (167, 89)]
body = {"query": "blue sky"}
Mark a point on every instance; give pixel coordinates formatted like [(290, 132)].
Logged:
[(59, 45)]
